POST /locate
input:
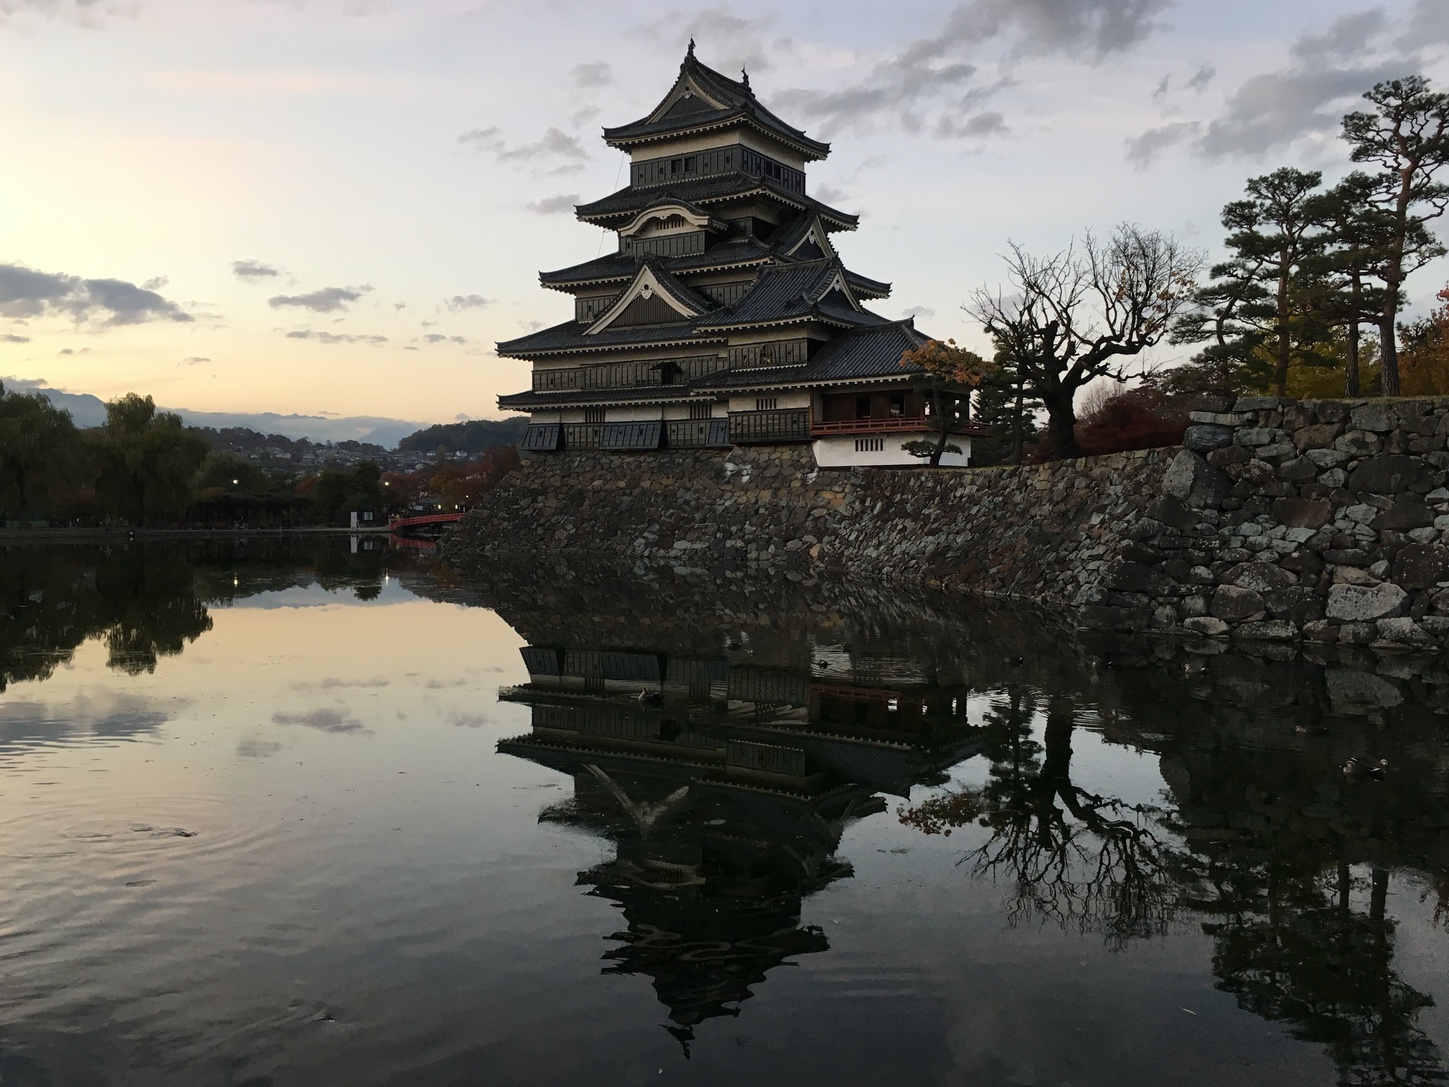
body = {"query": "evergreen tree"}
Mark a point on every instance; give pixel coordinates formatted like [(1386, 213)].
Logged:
[(1007, 408), (1260, 301), (1407, 138), (148, 461)]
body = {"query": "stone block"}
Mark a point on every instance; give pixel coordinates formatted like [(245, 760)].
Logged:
[(1135, 577), (1298, 470), (1204, 438), (1356, 604), (1388, 473), (1228, 456), (1354, 575), (1170, 511), (1318, 436), (1257, 403), (1402, 630), (1235, 604), (1261, 577), (1320, 630), (1254, 437), (1206, 624), (1420, 566), (1272, 630), (1402, 516), (1358, 443), (1219, 418), (1327, 458), (1376, 417), (1310, 513), (1299, 604)]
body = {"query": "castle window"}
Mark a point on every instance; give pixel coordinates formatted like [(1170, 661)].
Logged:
[(767, 403), (700, 411), (593, 415)]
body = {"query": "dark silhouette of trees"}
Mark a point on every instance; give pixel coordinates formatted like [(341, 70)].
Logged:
[(1407, 138), (41, 461), (147, 462), (1070, 318)]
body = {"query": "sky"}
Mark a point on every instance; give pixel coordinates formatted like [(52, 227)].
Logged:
[(337, 207)]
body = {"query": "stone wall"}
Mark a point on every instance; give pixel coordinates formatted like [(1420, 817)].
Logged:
[(1277, 521)]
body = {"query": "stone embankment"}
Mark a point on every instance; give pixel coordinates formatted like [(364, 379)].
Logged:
[(1323, 521)]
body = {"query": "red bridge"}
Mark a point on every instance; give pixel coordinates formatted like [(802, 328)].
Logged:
[(424, 526)]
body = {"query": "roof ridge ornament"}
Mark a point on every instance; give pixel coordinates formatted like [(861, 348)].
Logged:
[(689, 53), (745, 79)]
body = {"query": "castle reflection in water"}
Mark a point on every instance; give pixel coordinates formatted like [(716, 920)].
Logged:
[(722, 740), (724, 783)]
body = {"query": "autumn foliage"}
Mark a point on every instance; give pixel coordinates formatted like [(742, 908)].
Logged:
[(1140, 418)]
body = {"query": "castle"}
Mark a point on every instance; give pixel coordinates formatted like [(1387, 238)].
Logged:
[(725, 316)]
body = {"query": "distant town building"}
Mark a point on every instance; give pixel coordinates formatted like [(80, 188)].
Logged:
[(725, 316)]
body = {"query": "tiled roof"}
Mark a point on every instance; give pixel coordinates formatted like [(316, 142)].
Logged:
[(628, 202), (738, 104), (866, 352), (751, 377), (570, 336), (730, 252), (784, 292), (871, 352)]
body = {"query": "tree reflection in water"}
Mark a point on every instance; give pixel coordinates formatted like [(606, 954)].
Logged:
[(1298, 937), (1084, 861)]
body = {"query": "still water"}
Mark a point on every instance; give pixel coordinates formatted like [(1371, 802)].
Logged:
[(278, 813)]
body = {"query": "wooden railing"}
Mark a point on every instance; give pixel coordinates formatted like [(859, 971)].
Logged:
[(790, 425), (893, 425)]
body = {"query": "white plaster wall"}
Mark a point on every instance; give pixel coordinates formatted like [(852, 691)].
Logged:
[(838, 451), (638, 413), (783, 400), (546, 417)]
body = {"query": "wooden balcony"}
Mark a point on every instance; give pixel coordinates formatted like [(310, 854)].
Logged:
[(788, 425), (895, 424)]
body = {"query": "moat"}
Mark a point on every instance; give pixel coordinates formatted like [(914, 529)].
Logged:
[(282, 812)]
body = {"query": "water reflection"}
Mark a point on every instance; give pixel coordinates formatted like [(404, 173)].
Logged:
[(724, 784), (148, 600), (723, 753), (822, 831)]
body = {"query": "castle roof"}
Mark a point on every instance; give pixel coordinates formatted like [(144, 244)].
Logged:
[(704, 100), (703, 191)]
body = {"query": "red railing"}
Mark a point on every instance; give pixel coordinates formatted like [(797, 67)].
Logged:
[(426, 523), (893, 425)]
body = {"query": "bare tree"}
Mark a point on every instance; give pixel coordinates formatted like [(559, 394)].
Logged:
[(1079, 315)]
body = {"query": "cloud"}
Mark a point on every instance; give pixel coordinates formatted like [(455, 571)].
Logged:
[(194, 360), (990, 123), (1428, 25), (325, 300), (829, 194), (257, 749), (155, 283), (1306, 99), (330, 683), (253, 270), (926, 72), (553, 144), (459, 719), (323, 720), (593, 75), (554, 205), (25, 292), (1143, 149), (582, 116), (467, 301), (1271, 110), (10, 337), (1201, 78), (919, 311), (437, 337), (334, 337), (731, 41)]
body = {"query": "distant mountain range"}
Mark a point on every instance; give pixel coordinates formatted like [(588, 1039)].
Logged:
[(88, 411)]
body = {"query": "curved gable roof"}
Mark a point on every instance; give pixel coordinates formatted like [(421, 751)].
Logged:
[(703, 98)]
